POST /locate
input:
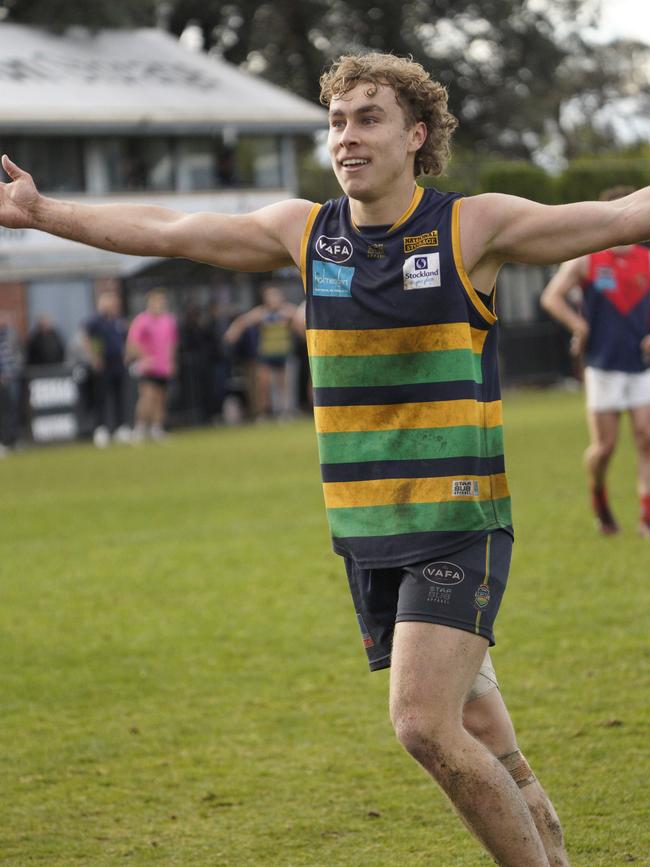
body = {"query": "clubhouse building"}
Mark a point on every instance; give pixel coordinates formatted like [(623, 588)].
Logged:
[(133, 116)]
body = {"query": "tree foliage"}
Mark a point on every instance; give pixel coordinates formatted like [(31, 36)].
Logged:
[(519, 72), (58, 15)]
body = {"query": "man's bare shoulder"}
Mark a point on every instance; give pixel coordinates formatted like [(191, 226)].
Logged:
[(287, 212), (496, 205), (285, 221)]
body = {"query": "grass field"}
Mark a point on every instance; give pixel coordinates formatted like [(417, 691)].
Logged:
[(183, 682)]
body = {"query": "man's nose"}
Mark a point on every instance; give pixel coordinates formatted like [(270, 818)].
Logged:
[(348, 136)]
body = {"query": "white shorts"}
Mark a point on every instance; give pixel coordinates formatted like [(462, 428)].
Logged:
[(615, 390)]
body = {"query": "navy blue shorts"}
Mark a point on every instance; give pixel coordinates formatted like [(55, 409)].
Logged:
[(462, 590)]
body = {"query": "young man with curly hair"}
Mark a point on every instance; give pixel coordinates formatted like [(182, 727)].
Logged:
[(400, 322)]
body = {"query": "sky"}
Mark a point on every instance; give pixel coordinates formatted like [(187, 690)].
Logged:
[(625, 18)]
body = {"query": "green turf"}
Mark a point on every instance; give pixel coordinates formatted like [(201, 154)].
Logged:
[(183, 681)]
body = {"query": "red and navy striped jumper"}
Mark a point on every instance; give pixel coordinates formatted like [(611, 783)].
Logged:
[(616, 300)]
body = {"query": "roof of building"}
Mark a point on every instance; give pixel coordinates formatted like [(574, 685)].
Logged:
[(140, 80)]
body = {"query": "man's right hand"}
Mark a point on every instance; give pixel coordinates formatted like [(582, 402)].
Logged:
[(579, 339), (18, 199)]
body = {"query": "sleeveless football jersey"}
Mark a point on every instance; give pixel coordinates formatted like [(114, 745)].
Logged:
[(616, 298), (407, 406), (275, 337)]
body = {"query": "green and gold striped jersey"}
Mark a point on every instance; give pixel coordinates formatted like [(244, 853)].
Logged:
[(407, 403)]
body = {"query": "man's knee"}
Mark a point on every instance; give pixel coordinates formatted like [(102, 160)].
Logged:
[(425, 730), (487, 726), (601, 451), (420, 738), (642, 439)]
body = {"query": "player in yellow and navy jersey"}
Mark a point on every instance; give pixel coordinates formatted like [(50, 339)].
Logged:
[(406, 389), (401, 330)]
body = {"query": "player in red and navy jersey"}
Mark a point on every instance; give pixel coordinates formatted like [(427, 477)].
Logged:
[(612, 332), (389, 123)]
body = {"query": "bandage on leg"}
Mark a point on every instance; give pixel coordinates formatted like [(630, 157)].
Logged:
[(518, 768)]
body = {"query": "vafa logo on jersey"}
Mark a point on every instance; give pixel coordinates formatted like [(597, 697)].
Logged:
[(336, 250), (422, 272)]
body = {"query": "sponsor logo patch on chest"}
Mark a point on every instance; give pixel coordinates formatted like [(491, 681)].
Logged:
[(605, 279), (422, 272), (414, 242), (337, 250), (331, 281)]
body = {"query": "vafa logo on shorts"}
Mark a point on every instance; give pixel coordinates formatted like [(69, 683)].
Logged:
[(443, 573)]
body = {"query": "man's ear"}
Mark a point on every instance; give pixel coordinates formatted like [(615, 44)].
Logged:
[(419, 133)]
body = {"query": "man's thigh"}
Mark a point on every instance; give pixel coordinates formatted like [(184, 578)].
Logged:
[(433, 668), (603, 428), (638, 392)]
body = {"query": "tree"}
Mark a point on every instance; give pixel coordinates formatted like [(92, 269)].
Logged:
[(511, 67), (519, 72), (58, 15)]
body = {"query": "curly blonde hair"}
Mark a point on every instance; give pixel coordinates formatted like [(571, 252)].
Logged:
[(421, 99)]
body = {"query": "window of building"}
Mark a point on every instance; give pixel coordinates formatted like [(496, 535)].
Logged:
[(55, 163), (138, 163), (206, 163), (196, 164), (259, 161), (116, 164)]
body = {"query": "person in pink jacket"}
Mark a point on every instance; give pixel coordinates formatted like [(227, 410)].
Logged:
[(151, 342)]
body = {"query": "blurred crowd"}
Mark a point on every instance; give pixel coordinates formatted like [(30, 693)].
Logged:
[(208, 365)]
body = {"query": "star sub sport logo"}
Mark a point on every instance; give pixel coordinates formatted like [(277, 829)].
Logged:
[(337, 250)]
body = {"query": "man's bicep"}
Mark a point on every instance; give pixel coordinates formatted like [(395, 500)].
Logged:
[(520, 230), (259, 241)]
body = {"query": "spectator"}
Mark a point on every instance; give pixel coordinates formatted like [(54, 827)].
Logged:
[(11, 364), (216, 325), (304, 387), (44, 345), (193, 365), (105, 337), (152, 342), (273, 321)]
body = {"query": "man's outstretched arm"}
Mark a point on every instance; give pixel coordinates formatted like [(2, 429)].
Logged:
[(260, 241), (496, 228), (519, 230)]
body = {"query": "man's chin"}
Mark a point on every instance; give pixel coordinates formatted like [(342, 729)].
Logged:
[(356, 189)]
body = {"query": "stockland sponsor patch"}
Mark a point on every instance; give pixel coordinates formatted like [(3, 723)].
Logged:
[(332, 281), (422, 272)]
